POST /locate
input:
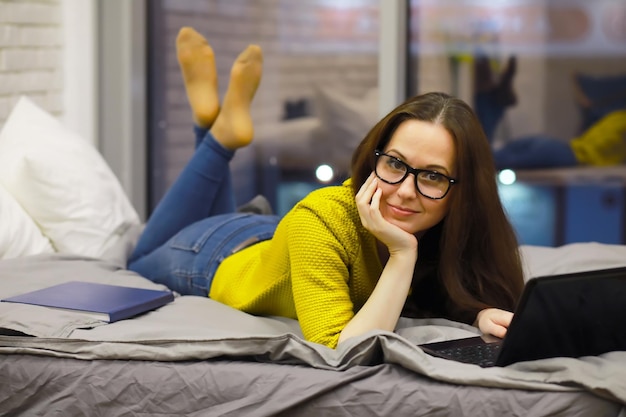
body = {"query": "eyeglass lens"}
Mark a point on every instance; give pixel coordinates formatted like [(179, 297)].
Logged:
[(429, 183)]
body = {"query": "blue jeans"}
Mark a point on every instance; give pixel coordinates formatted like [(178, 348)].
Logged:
[(489, 112), (533, 152), (195, 226), (528, 152)]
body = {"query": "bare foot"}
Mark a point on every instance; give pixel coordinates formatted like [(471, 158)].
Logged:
[(233, 127), (197, 64)]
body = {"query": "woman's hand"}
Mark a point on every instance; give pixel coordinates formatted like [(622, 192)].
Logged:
[(493, 321), (368, 205)]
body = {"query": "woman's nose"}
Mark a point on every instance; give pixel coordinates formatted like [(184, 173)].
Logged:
[(407, 188)]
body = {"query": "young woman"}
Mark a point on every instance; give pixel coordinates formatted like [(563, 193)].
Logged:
[(419, 228)]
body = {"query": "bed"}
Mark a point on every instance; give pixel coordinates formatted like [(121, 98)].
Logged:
[(195, 356)]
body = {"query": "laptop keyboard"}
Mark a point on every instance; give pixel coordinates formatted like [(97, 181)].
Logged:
[(483, 355)]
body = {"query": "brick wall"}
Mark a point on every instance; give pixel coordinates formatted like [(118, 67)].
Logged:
[(31, 54)]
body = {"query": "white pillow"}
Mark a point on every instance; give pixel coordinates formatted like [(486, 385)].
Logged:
[(344, 120), (62, 182), (19, 235)]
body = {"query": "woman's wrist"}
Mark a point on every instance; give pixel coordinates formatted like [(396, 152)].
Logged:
[(404, 253), (476, 321)]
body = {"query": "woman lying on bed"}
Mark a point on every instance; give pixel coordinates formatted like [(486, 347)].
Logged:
[(419, 227)]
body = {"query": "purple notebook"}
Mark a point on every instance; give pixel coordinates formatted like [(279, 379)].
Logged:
[(103, 301)]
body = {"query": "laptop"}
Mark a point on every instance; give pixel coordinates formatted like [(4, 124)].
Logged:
[(566, 315)]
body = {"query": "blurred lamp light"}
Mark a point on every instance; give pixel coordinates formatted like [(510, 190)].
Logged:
[(324, 173), (507, 177)]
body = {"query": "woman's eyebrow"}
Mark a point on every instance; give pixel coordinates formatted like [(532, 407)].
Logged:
[(439, 168), (431, 167)]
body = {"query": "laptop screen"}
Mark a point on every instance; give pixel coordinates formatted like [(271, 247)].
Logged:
[(572, 315)]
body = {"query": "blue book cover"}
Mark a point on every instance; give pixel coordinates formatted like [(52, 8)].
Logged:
[(103, 301)]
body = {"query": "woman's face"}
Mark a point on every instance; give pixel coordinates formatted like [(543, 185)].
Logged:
[(421, 145)]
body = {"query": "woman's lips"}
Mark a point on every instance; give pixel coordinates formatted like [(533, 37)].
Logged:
[(401, 211)]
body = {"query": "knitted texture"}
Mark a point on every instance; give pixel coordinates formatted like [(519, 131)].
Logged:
[(319, 268), (604, 143)]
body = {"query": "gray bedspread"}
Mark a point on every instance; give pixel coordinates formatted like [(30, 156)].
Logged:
[(202, 332), (44, 386)]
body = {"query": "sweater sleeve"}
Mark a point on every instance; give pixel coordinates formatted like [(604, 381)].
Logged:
[(604, 143), (320, 272)]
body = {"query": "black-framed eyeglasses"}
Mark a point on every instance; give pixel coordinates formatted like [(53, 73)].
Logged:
[(430, 184)]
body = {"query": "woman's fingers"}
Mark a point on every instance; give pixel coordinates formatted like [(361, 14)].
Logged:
[(364, 198), (375, 201), (368, 200), (367, 189), (494, 321), (368, 203)]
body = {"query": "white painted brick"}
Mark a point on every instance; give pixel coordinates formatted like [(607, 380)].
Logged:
[(30, 54), (49, 58), (30, 81), (18, 59), (57, 78), (28, 58), (40, 36), (28, 11), (9, 35), (7, 83)]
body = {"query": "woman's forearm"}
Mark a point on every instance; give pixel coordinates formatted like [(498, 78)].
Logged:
[(383, 308)]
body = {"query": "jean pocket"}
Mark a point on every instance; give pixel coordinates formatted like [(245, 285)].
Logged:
[(217, 228), (224, 234)]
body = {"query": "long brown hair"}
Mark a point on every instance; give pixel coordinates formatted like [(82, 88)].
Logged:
[(471, 257)]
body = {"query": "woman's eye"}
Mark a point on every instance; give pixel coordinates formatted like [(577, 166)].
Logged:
[(433, 177), (395, 164)]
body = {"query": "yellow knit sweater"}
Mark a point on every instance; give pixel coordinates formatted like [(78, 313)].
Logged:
[(604, 143), (319, 268)]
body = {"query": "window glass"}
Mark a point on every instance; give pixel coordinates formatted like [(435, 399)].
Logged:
[(316, 101), (555, 69), (461, 46)]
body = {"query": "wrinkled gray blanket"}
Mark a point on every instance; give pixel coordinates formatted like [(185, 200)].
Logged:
[(196, 328)]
